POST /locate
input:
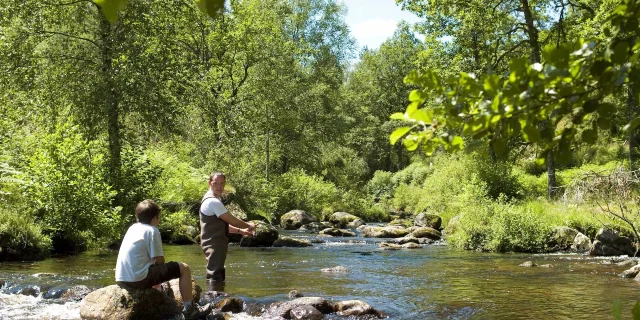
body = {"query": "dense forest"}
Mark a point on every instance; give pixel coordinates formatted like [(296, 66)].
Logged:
[(538, 97)]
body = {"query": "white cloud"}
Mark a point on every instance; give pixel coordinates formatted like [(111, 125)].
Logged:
[(373, 32)]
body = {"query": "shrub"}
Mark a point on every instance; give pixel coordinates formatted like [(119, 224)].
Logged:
[(21, 238), (297, 190), (413, 174), (380, 185), (178, 181), (139, 178), (65, 186), (179, 227)]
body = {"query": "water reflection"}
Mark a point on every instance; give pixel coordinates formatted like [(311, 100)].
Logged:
[(435, 282)]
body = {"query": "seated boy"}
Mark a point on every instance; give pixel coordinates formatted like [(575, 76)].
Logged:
[(141, 260)]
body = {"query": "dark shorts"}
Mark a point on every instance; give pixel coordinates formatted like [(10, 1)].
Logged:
[(158, 273)]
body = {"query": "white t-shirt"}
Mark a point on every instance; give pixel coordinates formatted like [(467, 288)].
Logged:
[(212, 206), (140, 245)]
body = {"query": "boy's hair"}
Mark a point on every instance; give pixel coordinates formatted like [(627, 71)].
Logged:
[(216, 174), (146, 211)]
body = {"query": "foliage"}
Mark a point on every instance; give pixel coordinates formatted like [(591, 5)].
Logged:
[(141, 177), (8, 181), (21, 238), (564, 89), (297, 190), (65, 187), (380, 185), (178, 181), (503, 227), (179, 226)]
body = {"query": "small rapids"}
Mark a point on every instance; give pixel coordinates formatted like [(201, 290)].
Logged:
[(433, 282)]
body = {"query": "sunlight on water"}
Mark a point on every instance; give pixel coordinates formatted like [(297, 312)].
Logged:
[(434, 282)]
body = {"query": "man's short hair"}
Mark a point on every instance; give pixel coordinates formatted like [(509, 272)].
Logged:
[(216, 174), (146, 211)]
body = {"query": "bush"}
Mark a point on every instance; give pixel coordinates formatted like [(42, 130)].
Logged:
[(65, 187), (414, 174), (297, 190), (179, 227), (21, 238), (380, 185), (139, 178), (178, 181)]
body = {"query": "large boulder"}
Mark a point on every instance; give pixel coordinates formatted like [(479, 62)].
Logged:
[(186, 235), (610, 243), (356, 308), (426, 232), (356, 223), (172, 289), (401, 222), (316, 226), (338, 232), (428, 220), (581, 243), (291, 242), (306, 313), (561, 238), (230, 304), (412, 239), (283, 308), (265, 236), (342, 219), (117, 303), (384, 232), (631, 272), (295, 219)]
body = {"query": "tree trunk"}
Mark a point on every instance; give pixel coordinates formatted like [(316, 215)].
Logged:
[(111, 105), (532, 33)]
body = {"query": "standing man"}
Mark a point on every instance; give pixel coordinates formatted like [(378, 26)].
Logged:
[(216, 223)]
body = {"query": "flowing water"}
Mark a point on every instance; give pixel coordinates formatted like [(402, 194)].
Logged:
[(434, 282)]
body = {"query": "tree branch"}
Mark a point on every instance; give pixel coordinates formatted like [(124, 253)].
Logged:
[(93, 42)]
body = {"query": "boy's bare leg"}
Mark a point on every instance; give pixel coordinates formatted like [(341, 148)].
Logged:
[(185, 282)]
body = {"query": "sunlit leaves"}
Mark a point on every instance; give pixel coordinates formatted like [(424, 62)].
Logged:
[(539, 101), (111, 8)]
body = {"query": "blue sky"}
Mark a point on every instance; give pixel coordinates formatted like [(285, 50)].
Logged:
[(373, 21)]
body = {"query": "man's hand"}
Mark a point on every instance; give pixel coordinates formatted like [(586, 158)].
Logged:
[(246, 232), (252, 225)]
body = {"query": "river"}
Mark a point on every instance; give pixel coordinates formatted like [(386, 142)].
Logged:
[(434, 282)]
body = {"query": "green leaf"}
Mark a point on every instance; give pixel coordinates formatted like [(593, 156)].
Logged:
[(599, 67), (604, 123), (531, 134), (411, 142), (416, 96), (620, 52), (590, 136), (590, 105), (492, 84), (422, 115), (397, 116), (617, 309), (499, 145), (632, 125), (398, 133), (457, 142), (110, 8), (213, 8), (411, 108), (606, 110)]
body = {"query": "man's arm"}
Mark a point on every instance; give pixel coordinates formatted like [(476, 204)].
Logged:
[(233, 221), (244, 232), (159, 259)]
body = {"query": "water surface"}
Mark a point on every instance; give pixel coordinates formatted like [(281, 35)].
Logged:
[(434, 282)]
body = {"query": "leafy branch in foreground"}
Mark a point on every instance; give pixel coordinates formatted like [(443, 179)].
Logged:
[(544, 103), (111, 8)]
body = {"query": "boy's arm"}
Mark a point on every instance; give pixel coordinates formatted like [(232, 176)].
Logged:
[(159, 259)]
